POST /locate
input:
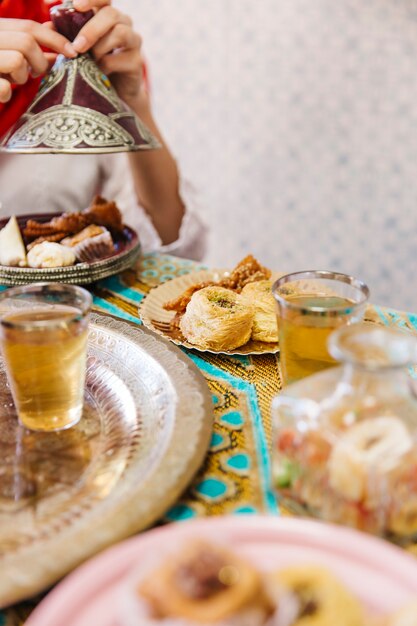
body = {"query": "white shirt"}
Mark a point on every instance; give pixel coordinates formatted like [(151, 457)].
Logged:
[(58, 183)]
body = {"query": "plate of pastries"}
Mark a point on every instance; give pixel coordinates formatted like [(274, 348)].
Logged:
[(77, 247), (240, 571), (225, 312)]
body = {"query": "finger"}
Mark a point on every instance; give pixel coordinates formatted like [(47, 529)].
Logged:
[(51, 57), (129, 62), (121, 36), (49, 38), (21, 74), (23, 48), (14, 65), (43, 35), (5, 90), (87, 5), (103, 22)]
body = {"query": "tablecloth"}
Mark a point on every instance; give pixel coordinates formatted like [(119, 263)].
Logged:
[(234, 478)]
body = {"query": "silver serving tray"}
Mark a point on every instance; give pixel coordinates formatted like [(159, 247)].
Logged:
[(64, 496)]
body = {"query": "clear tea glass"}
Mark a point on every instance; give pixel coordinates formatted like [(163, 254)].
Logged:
[(43, 340), (311, 305)]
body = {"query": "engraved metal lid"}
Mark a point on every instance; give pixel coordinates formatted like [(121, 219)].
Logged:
[(77, 110)]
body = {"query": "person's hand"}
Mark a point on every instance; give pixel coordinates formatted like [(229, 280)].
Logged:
[(21, 55), (115, 46)]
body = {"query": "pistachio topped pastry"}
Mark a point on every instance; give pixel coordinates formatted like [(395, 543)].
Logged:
[(217, 319)]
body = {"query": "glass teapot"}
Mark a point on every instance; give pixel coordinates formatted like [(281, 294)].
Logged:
[(345, 440)]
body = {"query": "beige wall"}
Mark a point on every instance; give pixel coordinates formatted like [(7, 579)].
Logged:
[(297, 120)]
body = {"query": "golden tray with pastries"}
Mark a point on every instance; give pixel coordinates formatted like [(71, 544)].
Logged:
[(180, 310)]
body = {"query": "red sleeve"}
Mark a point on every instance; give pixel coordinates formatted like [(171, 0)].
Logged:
[(23, 95)]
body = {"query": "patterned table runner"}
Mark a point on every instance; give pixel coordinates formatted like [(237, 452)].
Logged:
[(235, 476)]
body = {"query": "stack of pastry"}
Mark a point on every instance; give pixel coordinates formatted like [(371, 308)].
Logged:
[(209, 585), (218, 319), (264, 327), (92, 243), (226, 314), (84, 236)]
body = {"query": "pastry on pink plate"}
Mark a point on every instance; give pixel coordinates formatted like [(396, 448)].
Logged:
[(202, 584), (208, 585)]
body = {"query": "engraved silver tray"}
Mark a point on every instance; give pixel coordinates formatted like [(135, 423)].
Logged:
[(144, 433)]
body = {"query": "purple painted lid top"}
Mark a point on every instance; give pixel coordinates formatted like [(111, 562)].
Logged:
[(68, 21)]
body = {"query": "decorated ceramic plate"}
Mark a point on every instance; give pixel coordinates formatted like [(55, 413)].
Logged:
[(157, 319), (127, 251), (383, 577), (64, 496)]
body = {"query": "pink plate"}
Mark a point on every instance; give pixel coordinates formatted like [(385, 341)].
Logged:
[(382, 576)]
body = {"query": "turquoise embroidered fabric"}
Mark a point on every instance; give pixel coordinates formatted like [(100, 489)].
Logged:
[(235, 475)]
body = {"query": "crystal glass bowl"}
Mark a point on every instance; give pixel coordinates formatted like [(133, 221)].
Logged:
[(345, 440)]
